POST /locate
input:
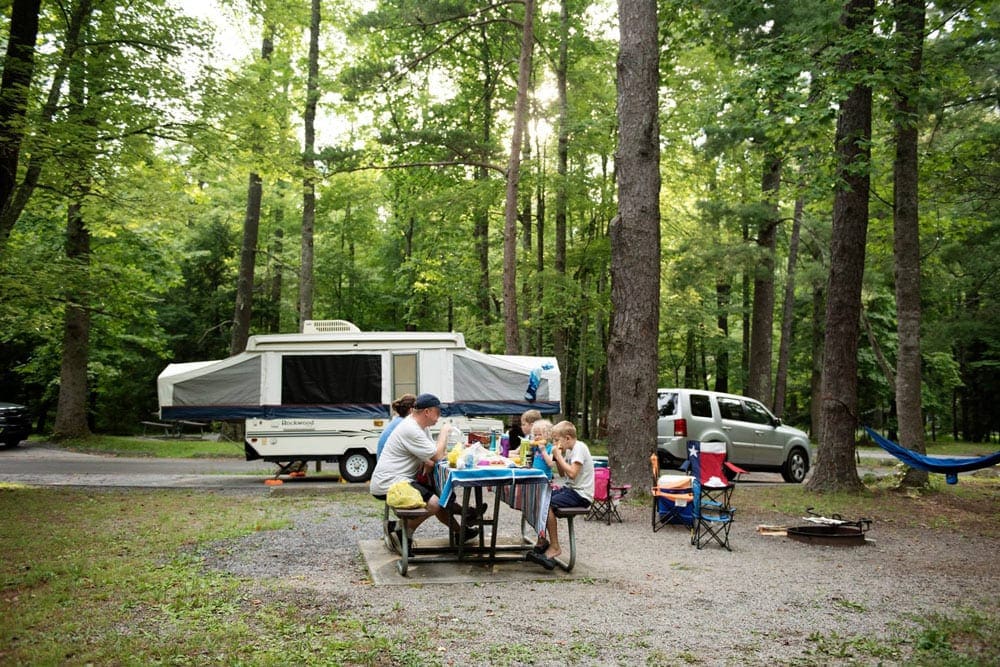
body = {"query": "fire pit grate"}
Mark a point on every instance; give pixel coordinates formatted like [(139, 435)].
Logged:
[(831, 531)]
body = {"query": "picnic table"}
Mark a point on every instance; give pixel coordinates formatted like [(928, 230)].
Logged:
[(523, 489), (173, 428)]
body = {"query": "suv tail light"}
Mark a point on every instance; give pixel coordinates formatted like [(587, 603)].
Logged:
[(680, 428)]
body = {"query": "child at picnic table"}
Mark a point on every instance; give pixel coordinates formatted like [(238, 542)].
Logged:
[(541, 437), (571, 459)]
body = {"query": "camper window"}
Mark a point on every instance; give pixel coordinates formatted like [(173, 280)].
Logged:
[(326, 379), (404, 374)]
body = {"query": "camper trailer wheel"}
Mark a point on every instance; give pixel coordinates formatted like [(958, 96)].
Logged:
[(356, 466)]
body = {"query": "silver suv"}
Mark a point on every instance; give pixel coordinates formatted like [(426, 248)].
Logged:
[(755, 439)]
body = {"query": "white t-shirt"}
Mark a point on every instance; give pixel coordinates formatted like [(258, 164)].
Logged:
[(583, 484), (404, 452)]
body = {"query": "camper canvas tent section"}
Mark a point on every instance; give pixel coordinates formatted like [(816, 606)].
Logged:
[(325, 396)]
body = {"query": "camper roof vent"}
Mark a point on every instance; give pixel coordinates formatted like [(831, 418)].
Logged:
[(329, 326)]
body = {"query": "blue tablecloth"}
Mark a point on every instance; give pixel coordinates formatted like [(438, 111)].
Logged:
[(524, 489)]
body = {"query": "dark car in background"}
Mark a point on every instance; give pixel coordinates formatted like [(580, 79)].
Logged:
[(15, 424)]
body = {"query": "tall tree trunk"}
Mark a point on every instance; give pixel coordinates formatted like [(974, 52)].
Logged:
[(274, 286), (248, 256), (18, 70), (12, 206), (817, 331), (481, 213), (762, 326), (723, 292), (745, 313), (529, 315), (511, 334), (560, 332), (635, 246), (309, 168), (248, 248), (906, 235), (787, 311), (835, 468), (71, 412), (542, 329)]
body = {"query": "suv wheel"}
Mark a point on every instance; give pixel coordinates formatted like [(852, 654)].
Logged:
[(796, 466)]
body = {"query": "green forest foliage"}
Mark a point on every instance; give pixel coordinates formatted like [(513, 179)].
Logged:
[(415, 108)]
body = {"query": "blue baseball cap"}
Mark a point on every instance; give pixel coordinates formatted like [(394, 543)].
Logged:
[(426, 401)]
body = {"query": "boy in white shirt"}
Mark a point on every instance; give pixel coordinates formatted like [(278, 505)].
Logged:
[(571, 459)]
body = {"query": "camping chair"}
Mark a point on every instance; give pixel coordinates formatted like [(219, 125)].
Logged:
[(712, 484), (606, 496), (672, 497)]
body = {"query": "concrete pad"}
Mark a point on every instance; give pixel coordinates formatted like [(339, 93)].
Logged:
[(382, 566)]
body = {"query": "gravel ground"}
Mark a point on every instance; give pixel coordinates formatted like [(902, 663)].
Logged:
[(658, 600)]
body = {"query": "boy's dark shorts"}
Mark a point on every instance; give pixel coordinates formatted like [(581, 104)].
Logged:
[(567, 497)]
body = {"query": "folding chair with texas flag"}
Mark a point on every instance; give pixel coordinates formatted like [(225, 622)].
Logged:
[(712, 484)]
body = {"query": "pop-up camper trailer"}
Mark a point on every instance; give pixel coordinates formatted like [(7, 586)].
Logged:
[(325, 394)]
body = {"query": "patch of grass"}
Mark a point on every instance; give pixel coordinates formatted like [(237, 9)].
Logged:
[(969, 639), (852, 650), (849, 605), (510, 654), (168, 448), (106, 576)]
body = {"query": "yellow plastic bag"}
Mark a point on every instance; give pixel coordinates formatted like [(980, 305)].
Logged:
[(403, 496)]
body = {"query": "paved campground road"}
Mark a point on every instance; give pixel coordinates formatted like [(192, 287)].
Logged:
[(44, 464)]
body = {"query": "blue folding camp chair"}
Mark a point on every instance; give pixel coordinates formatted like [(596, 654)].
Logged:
[(672, 498)]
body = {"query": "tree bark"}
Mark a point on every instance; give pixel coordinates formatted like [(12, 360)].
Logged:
[(818, 334), (560, 333), (12, 206), (274, 285), (723, 294), (511, 323), (306, 276), (787, 312), (762, 326), (248, 249), (71, 411), (18, 70), (481, 213), (635, 247), (835, 467), (906, 235)]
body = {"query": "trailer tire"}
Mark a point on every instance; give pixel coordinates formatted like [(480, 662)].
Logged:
[(356, 466)]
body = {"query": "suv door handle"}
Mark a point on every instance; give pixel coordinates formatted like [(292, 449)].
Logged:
[(727, 428)]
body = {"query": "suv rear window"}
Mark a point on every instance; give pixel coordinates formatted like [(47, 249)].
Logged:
[(730, 409), (701, 405)]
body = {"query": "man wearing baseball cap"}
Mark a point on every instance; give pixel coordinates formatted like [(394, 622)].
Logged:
[(406, 451)]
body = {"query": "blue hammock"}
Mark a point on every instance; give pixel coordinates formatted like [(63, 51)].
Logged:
[(948, 465)]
